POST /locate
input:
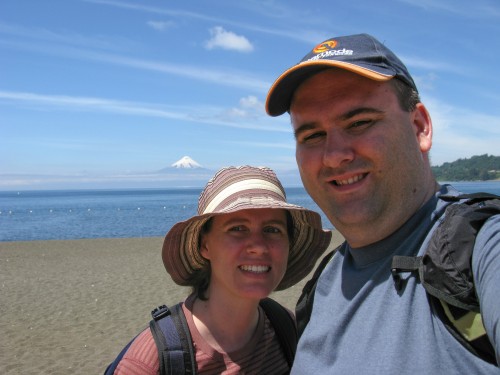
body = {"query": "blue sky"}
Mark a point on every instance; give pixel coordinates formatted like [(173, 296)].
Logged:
[(94, 91)]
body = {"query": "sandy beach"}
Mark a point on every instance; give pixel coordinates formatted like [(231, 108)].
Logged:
[(70, 306)]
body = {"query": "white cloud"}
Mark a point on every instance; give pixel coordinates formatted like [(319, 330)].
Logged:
[(252, 103), (160, 25), (249, 108), (228, 40)]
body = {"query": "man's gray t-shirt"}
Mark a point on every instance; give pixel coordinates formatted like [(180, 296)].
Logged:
[(361, 324)]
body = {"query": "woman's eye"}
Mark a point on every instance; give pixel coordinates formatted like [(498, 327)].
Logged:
[(237, 228), (273, 230)]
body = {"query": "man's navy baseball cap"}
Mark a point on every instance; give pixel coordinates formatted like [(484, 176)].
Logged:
[(361, 54)]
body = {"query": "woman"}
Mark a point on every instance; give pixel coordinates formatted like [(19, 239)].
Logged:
[(245, 242)]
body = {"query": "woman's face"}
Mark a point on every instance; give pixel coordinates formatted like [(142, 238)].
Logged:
[(248, 252)]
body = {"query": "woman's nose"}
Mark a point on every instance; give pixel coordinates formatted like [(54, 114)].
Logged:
[(256, 243)]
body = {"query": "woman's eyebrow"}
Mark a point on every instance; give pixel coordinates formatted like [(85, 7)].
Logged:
[(235, 220)]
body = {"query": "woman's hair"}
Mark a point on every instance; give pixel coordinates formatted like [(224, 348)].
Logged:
[(407, 96), (200, 279)]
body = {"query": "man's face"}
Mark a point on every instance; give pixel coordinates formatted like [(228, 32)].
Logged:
[(361, 157)]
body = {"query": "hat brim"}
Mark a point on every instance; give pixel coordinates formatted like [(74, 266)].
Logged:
[(281, 92), (181, 255)]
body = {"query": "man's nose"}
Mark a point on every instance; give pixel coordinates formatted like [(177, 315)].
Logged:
[(338, 150)]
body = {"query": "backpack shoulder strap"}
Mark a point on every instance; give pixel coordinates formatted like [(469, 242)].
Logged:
[(173, 341), (471, 197), (284, 326), (445, 270), (304, 305)]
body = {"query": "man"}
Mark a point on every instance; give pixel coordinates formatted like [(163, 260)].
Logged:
[(362, 147)]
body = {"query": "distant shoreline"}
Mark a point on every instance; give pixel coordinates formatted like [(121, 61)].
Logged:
[(469, 182), (193, 188)]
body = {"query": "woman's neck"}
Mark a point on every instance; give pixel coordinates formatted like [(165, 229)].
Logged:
[(226, 324)]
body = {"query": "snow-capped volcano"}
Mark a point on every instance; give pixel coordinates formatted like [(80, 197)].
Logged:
[(186, 162)]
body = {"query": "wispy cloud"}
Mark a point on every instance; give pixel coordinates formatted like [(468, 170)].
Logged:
[(432, 64), (220, 77), (61, 38), (307, 35), (61, 143), (155, 10), (476, 9), (226, 77), (289, 146), (227, 40), (208, 116)]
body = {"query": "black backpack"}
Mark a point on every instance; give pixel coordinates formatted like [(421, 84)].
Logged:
[(175, 348), (444, 271)]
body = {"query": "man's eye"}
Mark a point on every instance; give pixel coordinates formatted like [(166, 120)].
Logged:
[(311, 137), (361, 123)]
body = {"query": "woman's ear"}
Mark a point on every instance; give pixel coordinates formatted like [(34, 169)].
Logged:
[(204, 247)]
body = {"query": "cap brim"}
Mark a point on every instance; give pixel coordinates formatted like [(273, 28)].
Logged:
[(281, 92)]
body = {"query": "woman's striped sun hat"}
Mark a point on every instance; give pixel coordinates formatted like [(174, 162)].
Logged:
[(241, 188)]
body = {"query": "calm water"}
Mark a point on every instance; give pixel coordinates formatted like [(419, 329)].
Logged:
[(73, 214), (55, 215)]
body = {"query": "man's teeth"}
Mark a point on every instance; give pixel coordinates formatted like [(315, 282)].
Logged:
[(349, 181), (257, 269)]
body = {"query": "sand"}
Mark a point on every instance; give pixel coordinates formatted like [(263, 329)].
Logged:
[(71, 306)]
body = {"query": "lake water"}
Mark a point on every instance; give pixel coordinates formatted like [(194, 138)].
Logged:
[(76, 214)]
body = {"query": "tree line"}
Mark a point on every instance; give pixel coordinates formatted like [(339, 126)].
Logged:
[(479, 167)]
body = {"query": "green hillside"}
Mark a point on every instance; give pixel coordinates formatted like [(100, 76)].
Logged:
[(480, 167)]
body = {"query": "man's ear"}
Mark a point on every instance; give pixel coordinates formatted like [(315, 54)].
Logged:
[(423, 127)]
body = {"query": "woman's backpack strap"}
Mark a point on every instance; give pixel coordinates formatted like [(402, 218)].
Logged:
[(284, 326), (173, 340)]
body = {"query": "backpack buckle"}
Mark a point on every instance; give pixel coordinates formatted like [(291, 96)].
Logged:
[(160, 312)]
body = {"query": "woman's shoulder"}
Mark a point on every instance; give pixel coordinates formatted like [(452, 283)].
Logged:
[(141, 358)]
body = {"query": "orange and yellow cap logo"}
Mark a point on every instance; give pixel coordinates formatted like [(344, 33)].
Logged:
[(325, 46)]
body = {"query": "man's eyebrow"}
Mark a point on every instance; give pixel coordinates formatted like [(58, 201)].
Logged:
[(302, 128), (359, 111)]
